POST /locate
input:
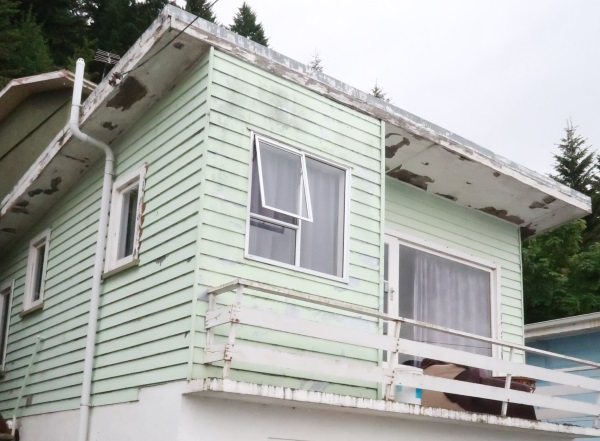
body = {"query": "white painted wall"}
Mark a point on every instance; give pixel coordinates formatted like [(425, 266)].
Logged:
[(164, 414)]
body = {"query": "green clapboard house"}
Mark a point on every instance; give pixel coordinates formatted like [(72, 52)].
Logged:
[(280, 253)]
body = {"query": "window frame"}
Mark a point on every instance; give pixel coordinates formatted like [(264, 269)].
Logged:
[(305, 187), (124, 183), (346, 223), (32, 268), (6, 289), (464, 258)]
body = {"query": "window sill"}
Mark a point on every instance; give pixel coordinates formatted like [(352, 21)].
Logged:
[(123, 267), (32, 309), (297, 268)]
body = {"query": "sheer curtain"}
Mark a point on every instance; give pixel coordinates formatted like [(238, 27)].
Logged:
[(322, 240), (447, 293), (270, 240)]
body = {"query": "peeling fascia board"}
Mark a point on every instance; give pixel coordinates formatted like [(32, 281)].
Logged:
[(129, 61), (323, 84), (20, 88), (279, 395), (564, 326)]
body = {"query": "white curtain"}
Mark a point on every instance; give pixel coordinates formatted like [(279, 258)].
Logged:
[(270, 240), (447, 293), (322, 240)]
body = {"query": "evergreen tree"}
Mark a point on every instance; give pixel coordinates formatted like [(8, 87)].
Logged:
[(315, 63), (63, 25), (244, 24), (574, 164), (8, 37), (378, 92), (201, 8)]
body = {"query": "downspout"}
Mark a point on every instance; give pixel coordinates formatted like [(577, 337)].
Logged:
[(90, 345)]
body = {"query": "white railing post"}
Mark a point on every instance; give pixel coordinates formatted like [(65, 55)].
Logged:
[(595, 420), (508, 382), (390, 388), (239, 292)]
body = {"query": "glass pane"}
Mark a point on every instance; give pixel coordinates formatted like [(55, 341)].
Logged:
[(255, 205), (5, 302), (39, 272), (444, 292), (282, 180), (272, 241), (322, 240), (129, 215)]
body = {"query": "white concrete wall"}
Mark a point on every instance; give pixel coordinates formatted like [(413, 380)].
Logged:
[(164, 414)]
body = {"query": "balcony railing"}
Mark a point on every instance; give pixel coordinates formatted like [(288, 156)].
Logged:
[(387, 375)]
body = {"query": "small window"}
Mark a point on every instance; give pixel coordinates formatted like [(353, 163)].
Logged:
[(36, 271), (5, 308), (123, 230), (298, 209)]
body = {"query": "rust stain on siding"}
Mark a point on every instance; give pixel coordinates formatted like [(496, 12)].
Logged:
[(391, 150), (130, 92), (502, 214), (411, 178), (53, 188)]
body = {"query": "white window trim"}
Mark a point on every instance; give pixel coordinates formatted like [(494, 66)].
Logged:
[(4, 287), (304, 189), (346, 236), (34, 244), (124, 182), (467, 259)]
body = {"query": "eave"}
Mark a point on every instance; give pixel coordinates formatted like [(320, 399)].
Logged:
[(495, 185), (563, 327)]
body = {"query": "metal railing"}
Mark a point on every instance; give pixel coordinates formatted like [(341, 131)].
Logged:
[(387, 374)]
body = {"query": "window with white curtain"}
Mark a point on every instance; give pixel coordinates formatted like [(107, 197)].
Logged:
[(298, 209), (445, 289)]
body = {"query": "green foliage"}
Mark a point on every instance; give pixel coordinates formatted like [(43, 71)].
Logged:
[(201, 8), (561, 268), (574, 164), (378, 92), (315, 63), (8, 36), (62, 23), (244, 23), (31, 49)]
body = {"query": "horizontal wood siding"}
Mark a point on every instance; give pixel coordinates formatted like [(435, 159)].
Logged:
[(245, 98), (414, 212), (143, 334)]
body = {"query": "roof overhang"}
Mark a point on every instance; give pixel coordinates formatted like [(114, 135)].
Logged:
[(563, 327), (17, 91), (176, 41)]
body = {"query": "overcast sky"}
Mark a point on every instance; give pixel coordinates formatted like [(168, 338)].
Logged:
[(506, 74)]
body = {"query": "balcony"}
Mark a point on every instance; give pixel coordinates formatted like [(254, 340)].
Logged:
[(395, 388)]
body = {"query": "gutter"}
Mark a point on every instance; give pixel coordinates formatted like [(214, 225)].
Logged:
[(90, 346), (564, 326)]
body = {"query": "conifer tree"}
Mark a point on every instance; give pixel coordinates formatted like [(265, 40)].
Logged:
[(244, 23), (315, 63), (378, 92), (201, 8), (8, 37), (574, 164), (63, 26)]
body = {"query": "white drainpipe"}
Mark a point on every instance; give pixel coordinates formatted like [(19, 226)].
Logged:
[(90, 345)]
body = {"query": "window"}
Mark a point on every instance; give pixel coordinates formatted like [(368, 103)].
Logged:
[(298, 209), (36, 271), (5, 308), (123, 228), (441, 287)]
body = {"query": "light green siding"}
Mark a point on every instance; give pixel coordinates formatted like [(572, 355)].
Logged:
[(145, 316), (414, 212), (244, 98)]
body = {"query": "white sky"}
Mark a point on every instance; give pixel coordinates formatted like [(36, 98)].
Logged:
[(506, 74)]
